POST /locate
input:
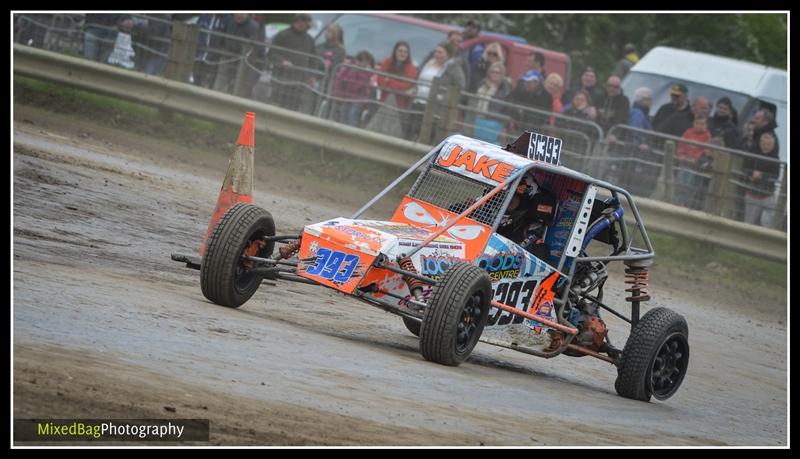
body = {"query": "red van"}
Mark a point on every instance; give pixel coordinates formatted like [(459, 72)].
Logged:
[(378, 33)]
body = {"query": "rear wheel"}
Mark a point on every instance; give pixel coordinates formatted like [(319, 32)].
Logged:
[(224, 276), (655, 357), (456, 314)]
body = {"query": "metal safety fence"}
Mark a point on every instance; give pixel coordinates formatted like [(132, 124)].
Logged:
[(708, 177), (730, 183)]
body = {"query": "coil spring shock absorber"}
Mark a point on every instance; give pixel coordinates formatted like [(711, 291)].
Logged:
[(636, 274), (414, 285)]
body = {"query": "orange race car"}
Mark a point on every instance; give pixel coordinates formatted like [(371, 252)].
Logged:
[(490, 244)]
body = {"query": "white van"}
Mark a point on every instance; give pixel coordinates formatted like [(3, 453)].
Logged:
[(749, 86)]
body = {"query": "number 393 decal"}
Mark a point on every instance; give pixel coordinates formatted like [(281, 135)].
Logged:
[(336, 266)]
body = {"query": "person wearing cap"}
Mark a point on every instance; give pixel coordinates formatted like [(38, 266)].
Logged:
[(629, 59), (677, 108), (291, 64), (530, 92), (588, 84), (722, 125), (700, 108)]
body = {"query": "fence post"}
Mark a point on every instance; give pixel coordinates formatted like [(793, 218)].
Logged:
[(182, 49), (241, 74), (450, 112), (669, 161), (427, 118), (720, 178), (777, 219)]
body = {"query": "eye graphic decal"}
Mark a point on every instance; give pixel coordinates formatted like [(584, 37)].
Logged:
[(466, 232), (416, 213)]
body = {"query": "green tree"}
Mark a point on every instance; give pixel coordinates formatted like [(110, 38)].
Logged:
[(597, 39)]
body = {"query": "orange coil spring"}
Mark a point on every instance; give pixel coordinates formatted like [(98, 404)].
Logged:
[(637, 277), (407, 265)]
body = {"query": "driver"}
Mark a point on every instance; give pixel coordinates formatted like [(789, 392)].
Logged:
[(513, 225), (522, 223)]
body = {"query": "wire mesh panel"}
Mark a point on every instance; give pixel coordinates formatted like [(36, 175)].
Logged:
[(53, 32), (456, 193)]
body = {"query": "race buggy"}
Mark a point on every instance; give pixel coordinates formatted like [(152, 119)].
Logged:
[(490, 244)]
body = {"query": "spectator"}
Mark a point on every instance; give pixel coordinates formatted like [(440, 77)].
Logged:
[(291, 63), (454, 39), (588, 84), (613, 107), (763, 122), (629, 59), (205, 67), (746, 142), (721, 124), (530, 93), (441, 67), (472, 56), (554, 85), (332, 50), (353, 85), (677, 106), (536, 61), (760, 177), (491, 55), (399, 63), (581, 106), (640, 115), (493, 88), (99, 35), (700, 108), (630, 168), (123, 53), (691, 158), (243, 26), (154, 38)]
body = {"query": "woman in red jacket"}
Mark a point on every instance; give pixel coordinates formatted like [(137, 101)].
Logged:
[(399, 63)]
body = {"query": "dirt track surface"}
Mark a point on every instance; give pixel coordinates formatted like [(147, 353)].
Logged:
[(106, 325)]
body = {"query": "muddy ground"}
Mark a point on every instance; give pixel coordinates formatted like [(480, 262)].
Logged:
[(106, 325)]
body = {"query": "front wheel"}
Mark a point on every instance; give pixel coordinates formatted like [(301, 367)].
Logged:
[(224, 276), (455, 315), (655, 357)]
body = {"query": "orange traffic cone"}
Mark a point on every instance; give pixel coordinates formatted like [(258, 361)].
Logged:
[(238, 184)]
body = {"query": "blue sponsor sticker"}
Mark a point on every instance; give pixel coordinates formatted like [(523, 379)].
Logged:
[(333, 265)]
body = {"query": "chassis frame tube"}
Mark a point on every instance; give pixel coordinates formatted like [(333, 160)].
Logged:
[(541, 320), (607, 308), (386, 306), (591, 353), (399, 179), (416, 276)]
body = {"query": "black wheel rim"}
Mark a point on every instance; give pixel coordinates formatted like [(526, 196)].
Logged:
[(467, 327), (243, 279), (669, 366)]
